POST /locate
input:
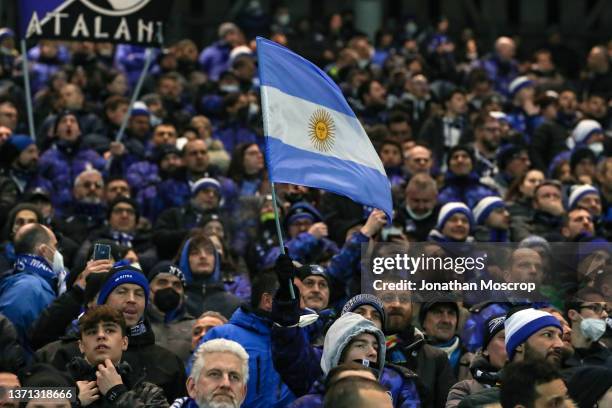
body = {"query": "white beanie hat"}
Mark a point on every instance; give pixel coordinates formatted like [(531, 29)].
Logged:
[(584, 129), (485, 206), (578, 192), (519, 83), (449, 209), (524, 324)]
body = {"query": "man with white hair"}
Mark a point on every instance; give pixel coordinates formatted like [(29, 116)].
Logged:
[(219, 376), (87, 211), (501, 67)]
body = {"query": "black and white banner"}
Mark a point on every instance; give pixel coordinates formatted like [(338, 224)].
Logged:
[(117, 21)]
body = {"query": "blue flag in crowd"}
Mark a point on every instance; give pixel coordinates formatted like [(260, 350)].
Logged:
[(313, 138)]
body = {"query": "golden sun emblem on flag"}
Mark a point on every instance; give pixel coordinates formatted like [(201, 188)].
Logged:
[(321, 129)]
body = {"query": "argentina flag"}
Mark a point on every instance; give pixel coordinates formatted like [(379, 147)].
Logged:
[(313, 138)]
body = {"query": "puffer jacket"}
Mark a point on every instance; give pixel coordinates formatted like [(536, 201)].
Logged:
[(214, 59), (265, 388), (132, 393), (400, 382), (466, 189), (62, 165), (26, 291), (175, 192), (305, 249), (143, 178)]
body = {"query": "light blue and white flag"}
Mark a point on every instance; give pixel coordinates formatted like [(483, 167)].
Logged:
[(313, 138)]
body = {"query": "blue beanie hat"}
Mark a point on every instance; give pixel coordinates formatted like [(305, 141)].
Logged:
[(450, 209), (6, 32), (140, 109), (205, 183), (21, 142), (524, 324), (365, 299), (301, 210), (121, 275)]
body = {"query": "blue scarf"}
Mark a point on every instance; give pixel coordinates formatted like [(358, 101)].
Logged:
[(37, 265), (138, 329), (122, 238), (498, 235)]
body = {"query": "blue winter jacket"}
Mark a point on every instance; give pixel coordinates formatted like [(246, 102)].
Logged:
[(265, 388), (214, 59), (500, 73), (25, 292), (403, 391), (466, 189), (291, 349), (239, 286), (234, 133), (303, 248), (177, 192), (144, 178), (62, 169)]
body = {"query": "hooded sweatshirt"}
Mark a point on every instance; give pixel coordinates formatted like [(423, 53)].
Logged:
[(342, 332), (400, 382)]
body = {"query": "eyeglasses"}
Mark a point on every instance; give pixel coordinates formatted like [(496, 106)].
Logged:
[(520, 157), (391, 297), (119, 210), (94, 184), (597, 308)]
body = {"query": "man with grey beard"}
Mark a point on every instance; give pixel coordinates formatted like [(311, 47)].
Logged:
[(88, 210), (218, 378)]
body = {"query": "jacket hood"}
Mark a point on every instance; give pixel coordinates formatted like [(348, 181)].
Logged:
[(483, 372), (251, 321), (184, 266), (342, 332)]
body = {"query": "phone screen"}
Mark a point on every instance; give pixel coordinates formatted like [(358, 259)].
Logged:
[(101, 251)]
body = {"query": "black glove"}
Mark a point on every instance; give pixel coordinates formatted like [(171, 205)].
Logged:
[(285, 271)]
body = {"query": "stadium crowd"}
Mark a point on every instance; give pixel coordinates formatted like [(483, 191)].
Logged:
[(195, 306)]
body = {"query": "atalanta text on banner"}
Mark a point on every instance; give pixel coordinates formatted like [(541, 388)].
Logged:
[(117, 21)]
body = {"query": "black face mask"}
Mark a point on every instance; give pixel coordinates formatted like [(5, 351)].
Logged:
[(294, 197), (167, 300)]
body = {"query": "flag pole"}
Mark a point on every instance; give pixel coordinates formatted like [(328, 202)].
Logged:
[(141, 78), (143, 74), (279, 231), (26, 80)]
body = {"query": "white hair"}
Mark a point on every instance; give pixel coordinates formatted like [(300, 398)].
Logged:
[(86, 172), (220, 346)]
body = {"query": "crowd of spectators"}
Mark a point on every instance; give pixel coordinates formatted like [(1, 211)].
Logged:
[(195, 306)]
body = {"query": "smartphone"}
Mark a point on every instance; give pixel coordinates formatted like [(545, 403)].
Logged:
[(388, 233), (101, 251)]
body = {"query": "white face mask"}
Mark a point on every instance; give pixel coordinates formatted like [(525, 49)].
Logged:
[(418, 217), (592, 328), (58, 262), (597, 148), (229, 88)]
